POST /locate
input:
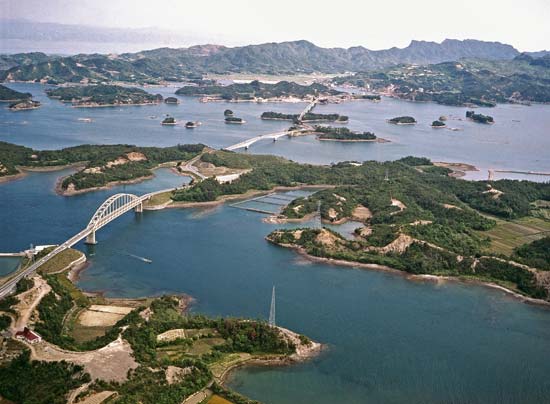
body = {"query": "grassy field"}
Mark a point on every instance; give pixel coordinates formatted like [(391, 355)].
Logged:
[(507, 235), (204, 345), (60, 261), (177, 350), (215, 399), (82, 333), (159, 199)]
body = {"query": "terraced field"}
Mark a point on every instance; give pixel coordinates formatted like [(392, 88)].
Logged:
[(507, 235)]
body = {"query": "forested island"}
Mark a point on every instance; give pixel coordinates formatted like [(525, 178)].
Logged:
[(438, 124), (147, 350), (171, 100), (24, 105), (416, 218), (257, 90), (402, 120), (343, 134), (234, 119), (480, 118), (101, 165), (169, 120), (103, 96), (309, 117)]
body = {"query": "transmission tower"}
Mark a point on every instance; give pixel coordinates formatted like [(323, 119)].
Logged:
[(272, 309), (320, 219)]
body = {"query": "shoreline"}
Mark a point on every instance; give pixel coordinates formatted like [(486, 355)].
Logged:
[(60, 191), (112, 105), (302, 354), (414, 277), (377, 140)]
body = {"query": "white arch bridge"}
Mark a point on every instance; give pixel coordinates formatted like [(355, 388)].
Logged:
[(109, 210)]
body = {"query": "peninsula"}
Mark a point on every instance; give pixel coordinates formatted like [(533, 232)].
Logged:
[(69, 344), (11, 96), (99, 165)]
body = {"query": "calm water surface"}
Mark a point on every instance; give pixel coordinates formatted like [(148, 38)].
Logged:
[(519, 140), (389, 339)]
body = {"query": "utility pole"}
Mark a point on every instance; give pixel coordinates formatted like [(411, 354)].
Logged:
[(272, 309)]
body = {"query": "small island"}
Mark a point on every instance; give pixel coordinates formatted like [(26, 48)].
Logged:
[(402, 120), (169, 120), (479, 118), (309, 117), (24, 105), (192, 124), (227, 112), (343, 135), (233, 119), (171, 100), (438, 124), (103, 96), (369, 97)]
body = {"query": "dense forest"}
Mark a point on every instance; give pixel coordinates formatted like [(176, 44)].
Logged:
[(103, 95), (31, 382)]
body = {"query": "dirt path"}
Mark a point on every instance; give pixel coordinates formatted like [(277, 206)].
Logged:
[(198, 397), (28, 301)]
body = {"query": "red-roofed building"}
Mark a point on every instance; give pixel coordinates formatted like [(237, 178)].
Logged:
[(28, 335)]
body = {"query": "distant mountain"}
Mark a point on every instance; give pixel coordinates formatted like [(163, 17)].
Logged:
[(538, 54), (19, 35), (271, 58)]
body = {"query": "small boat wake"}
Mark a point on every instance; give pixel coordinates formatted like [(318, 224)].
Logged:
[(143, 259)]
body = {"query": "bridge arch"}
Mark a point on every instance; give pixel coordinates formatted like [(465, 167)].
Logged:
[(112, 208)]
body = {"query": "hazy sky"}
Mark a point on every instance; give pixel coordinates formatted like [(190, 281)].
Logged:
[(373, 24)]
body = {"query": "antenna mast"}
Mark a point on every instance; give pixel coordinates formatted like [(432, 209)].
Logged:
[(272, 309)]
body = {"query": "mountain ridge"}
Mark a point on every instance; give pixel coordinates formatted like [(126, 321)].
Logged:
[(290, 57)]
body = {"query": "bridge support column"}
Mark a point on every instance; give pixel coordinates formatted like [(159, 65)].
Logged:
[(90, 238), (139, 208)]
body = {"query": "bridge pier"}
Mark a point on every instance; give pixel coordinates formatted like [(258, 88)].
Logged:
[(139, 208), (90, 238)]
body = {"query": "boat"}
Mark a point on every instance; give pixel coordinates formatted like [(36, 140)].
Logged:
[(87, 120)]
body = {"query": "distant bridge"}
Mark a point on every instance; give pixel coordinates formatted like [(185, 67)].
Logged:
[(109, 210), (249, 142)]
